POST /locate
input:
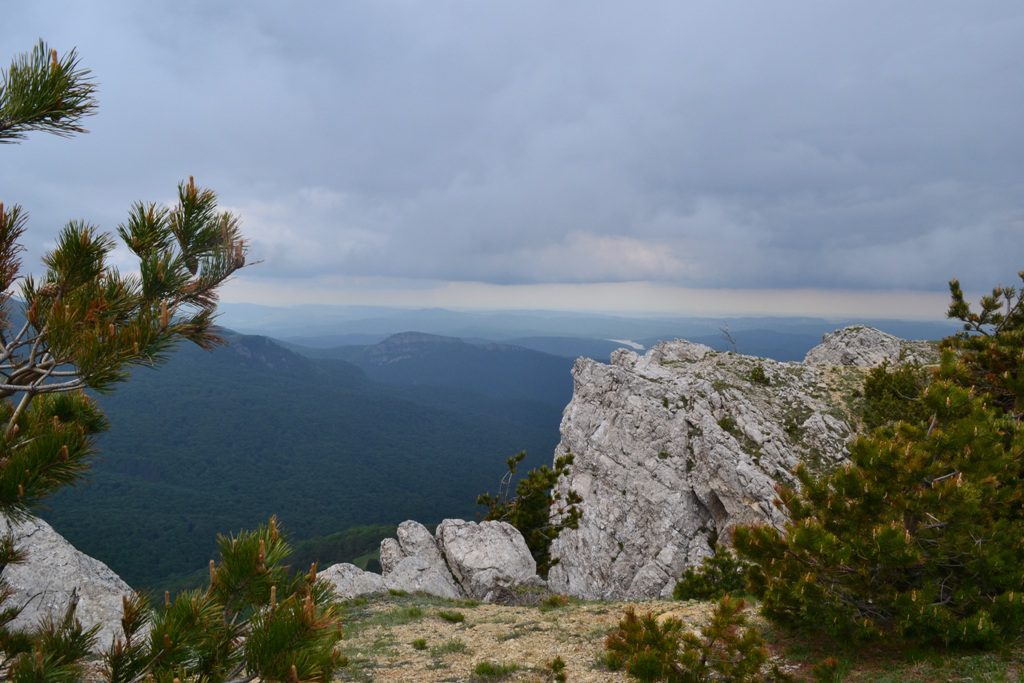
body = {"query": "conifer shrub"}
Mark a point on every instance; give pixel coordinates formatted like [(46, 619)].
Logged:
[(828, 670), (538, 511), (556, 670), (759, 376), (893, 394), (921, 535), (82, 324), (728, 648), (256, 617), (643, 647), (719, 574)]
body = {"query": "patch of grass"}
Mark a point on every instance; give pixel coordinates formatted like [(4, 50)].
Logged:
[(727, 423), (451, 616), (419, 644), (394, 592), (360, 621), (450, 647), (556, 601), (895, 662), (488, 669), (520, 630)]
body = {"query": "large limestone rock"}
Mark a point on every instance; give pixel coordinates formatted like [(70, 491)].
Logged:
[(487, 558), (53, 570), (676, 447), (350, 581), (488, 561), (413, 563), (866, 347)]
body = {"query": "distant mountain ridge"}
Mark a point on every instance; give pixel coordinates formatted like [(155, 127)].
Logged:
[(503, 371)]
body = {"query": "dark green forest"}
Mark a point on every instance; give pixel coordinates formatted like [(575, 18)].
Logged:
[(215, 442)]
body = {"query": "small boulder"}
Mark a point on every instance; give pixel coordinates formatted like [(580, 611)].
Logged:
[(350, 581), (413, 563), (487, 557)]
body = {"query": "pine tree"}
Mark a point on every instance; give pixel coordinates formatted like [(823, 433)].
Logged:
[(538, 510), (83, 325), (921, 534)]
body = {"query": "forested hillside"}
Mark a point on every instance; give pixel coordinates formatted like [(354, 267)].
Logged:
[(496, 370), (218, 441)]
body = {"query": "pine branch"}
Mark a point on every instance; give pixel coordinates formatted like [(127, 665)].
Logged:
[(43, 92)]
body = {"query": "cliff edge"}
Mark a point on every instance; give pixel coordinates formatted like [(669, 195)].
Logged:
[(675, 447)]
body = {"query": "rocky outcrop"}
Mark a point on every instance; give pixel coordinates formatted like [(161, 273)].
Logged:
[(676, 447), (866, 347), (349, 581), (486, 558), (487, 561), (53, 571), (413, 563)]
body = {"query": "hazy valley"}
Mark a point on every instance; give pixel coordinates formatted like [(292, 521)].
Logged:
[(333, 437)]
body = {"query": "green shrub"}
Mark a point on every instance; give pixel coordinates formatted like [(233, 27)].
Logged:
[(758, 376), (451, 616), (718, 574), (920, 536), (828, 670), (553, 602), (531, 510), (487, 669), (893, 395), (556, 670), (727, 423), (419, 644), (728, 648), (255, 617), (644, 647)]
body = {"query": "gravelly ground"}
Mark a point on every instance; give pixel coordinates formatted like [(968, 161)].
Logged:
[(380, 634)]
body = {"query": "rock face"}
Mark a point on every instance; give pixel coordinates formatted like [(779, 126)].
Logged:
[(866, 347), (486, 557), (350, 581), (52, 571), (675, 447), (483, 561)]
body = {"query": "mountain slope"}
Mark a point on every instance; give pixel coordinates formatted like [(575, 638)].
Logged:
[(213, 442), (502, 371)]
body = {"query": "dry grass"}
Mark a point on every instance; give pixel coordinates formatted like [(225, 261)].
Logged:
[(408, 638), (380, 636)]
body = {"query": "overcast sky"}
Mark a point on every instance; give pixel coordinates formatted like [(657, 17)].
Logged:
[(775, 157)]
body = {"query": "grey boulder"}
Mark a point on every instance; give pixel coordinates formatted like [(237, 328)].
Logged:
[(350, 581), (53, 571), (413, 563), (487, 557)]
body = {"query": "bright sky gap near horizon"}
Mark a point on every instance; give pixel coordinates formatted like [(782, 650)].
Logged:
[(706, 158)]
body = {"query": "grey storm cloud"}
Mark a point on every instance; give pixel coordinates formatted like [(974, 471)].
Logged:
[(748, 144)]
